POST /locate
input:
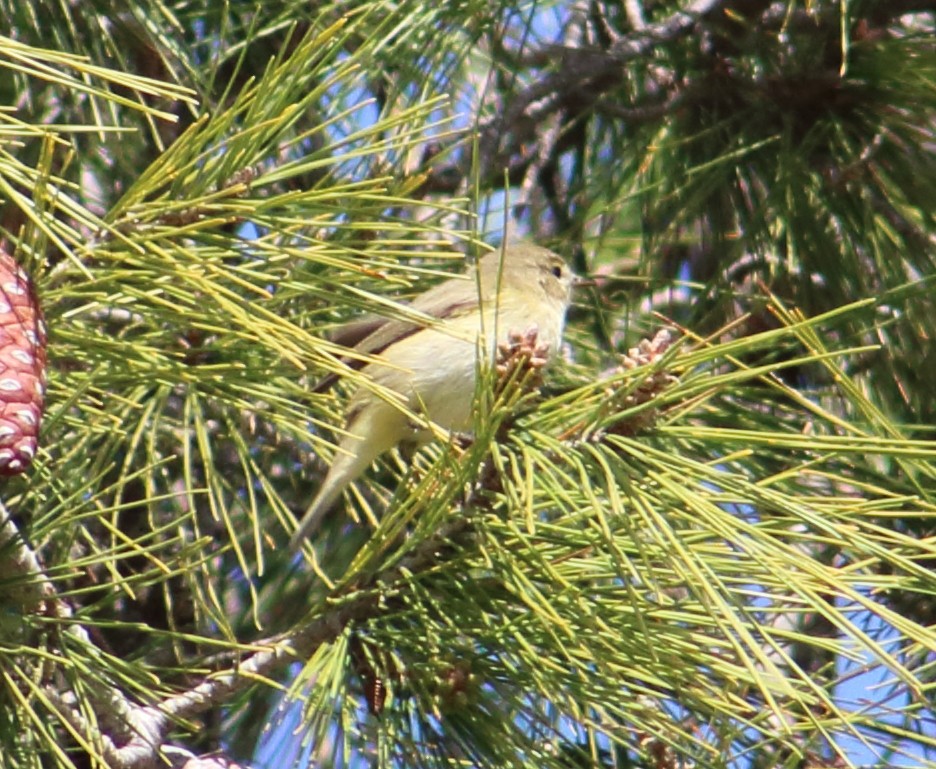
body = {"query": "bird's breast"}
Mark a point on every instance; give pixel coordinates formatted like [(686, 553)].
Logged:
[(435, 369)]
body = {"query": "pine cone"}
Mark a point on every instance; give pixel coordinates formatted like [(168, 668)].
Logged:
[(645, 354), (22, 367)]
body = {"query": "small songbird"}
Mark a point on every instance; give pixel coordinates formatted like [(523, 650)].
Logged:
[(432, 368)]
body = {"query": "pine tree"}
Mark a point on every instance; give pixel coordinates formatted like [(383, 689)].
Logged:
[(676, 546)]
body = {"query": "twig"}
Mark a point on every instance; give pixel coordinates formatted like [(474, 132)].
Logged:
[(519, 365), (22, 574), (30, 587), (151, 724), (642, 113), (635, 14), (680, 23), (602, 28), (581, 77)]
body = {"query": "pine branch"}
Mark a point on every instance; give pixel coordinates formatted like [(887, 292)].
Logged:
[(148, 726), (27, 582), (580, 79), (21, 570)]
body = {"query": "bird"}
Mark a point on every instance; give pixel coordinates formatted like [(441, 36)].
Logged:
[(430, 368)]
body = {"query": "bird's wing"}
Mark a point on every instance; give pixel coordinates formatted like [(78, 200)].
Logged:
[(354, 332), (372, 334)]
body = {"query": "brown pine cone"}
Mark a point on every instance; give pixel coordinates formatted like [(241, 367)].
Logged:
[(22, 367)]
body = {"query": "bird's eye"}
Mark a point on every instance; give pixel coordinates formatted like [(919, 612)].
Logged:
[(557, 271)]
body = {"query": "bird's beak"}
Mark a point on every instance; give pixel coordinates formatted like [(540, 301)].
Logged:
[(580, 282)]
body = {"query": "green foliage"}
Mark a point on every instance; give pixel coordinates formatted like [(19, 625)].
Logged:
[(664, 557)]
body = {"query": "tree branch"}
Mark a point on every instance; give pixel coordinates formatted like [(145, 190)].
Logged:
[(363, 601), (519, 369), (582, 76)]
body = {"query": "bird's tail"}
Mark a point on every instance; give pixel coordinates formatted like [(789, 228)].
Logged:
[(359, 448), (320, 506)]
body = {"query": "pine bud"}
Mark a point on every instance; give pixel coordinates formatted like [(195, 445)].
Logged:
[(22, 367)]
